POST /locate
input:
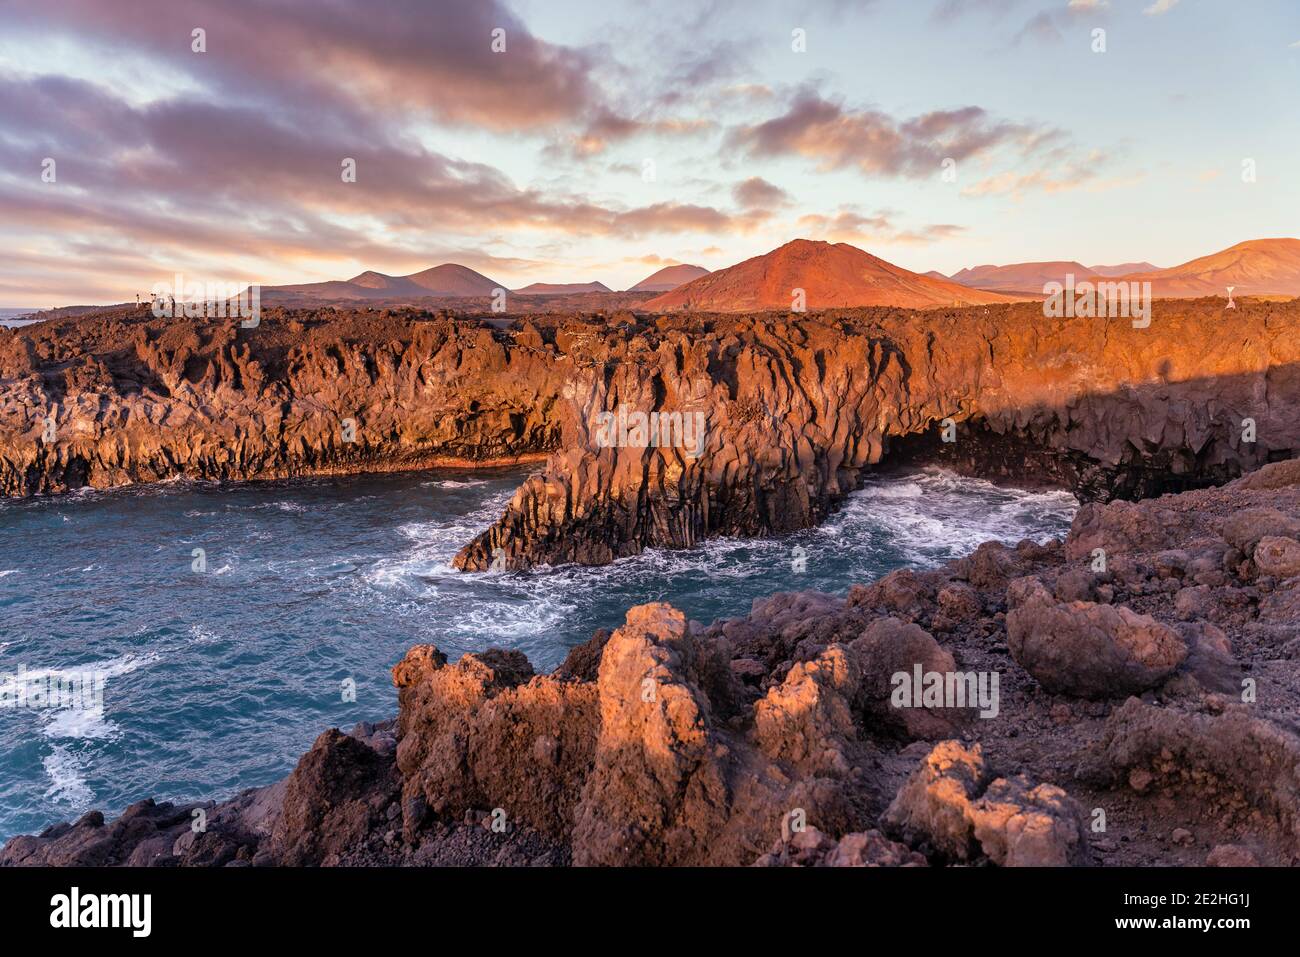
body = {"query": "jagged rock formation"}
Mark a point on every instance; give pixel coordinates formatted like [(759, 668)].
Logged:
[(765, 739), (796, 411), (772, 419), (133, 399), (951, 806)]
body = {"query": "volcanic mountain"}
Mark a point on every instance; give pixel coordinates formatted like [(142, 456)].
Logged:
[(670, 277), (1253, 268), (831, 276), (448, 280), (562, 288)]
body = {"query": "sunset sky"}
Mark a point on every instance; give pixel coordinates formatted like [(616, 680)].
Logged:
[(530, 164)]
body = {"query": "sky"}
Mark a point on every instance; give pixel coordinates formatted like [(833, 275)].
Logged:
[(580, 140)]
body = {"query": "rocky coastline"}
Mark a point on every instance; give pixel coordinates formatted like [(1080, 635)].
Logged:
[(793, 410), (1146, 714)]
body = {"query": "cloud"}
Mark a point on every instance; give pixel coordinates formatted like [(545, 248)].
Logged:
[(758, 193), (949, 9), (609, 127), (1064, 177), (1160, 7), (874, 142), (431, 57), (230, 188), (849, 225), (1040, 27)]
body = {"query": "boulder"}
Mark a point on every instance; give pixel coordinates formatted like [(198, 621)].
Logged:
[(1088, 650), (1277, 556)]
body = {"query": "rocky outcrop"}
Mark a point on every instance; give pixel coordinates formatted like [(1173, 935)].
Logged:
[(766, 738), (952, 806), (766, 422), (659, 760), (796, 409)]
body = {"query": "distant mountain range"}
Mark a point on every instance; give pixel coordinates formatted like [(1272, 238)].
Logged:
[(830, 275), (1029, 278), (454, 281), (447, 280), (1122, 269), (1256, 267), (1020, 277)]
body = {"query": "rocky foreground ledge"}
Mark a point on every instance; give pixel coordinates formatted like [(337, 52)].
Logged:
[(773, 418), (1146, 713)]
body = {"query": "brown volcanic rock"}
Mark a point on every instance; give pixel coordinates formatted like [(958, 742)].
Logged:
[(333, 800), (659, 792), (888, 647), (457, 723), (1239, 766), (1277, 557), (832, 276), (811, 848), (641, 766), (952, 806), (795, 410), (140, 399), (1085, 649)]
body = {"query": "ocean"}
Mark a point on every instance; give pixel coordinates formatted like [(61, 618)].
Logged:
[(218, 673), (13, 317)]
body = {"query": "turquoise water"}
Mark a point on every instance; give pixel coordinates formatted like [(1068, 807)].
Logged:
[(217, 680)]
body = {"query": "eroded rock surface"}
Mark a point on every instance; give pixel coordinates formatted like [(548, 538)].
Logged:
[(772, 419)]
